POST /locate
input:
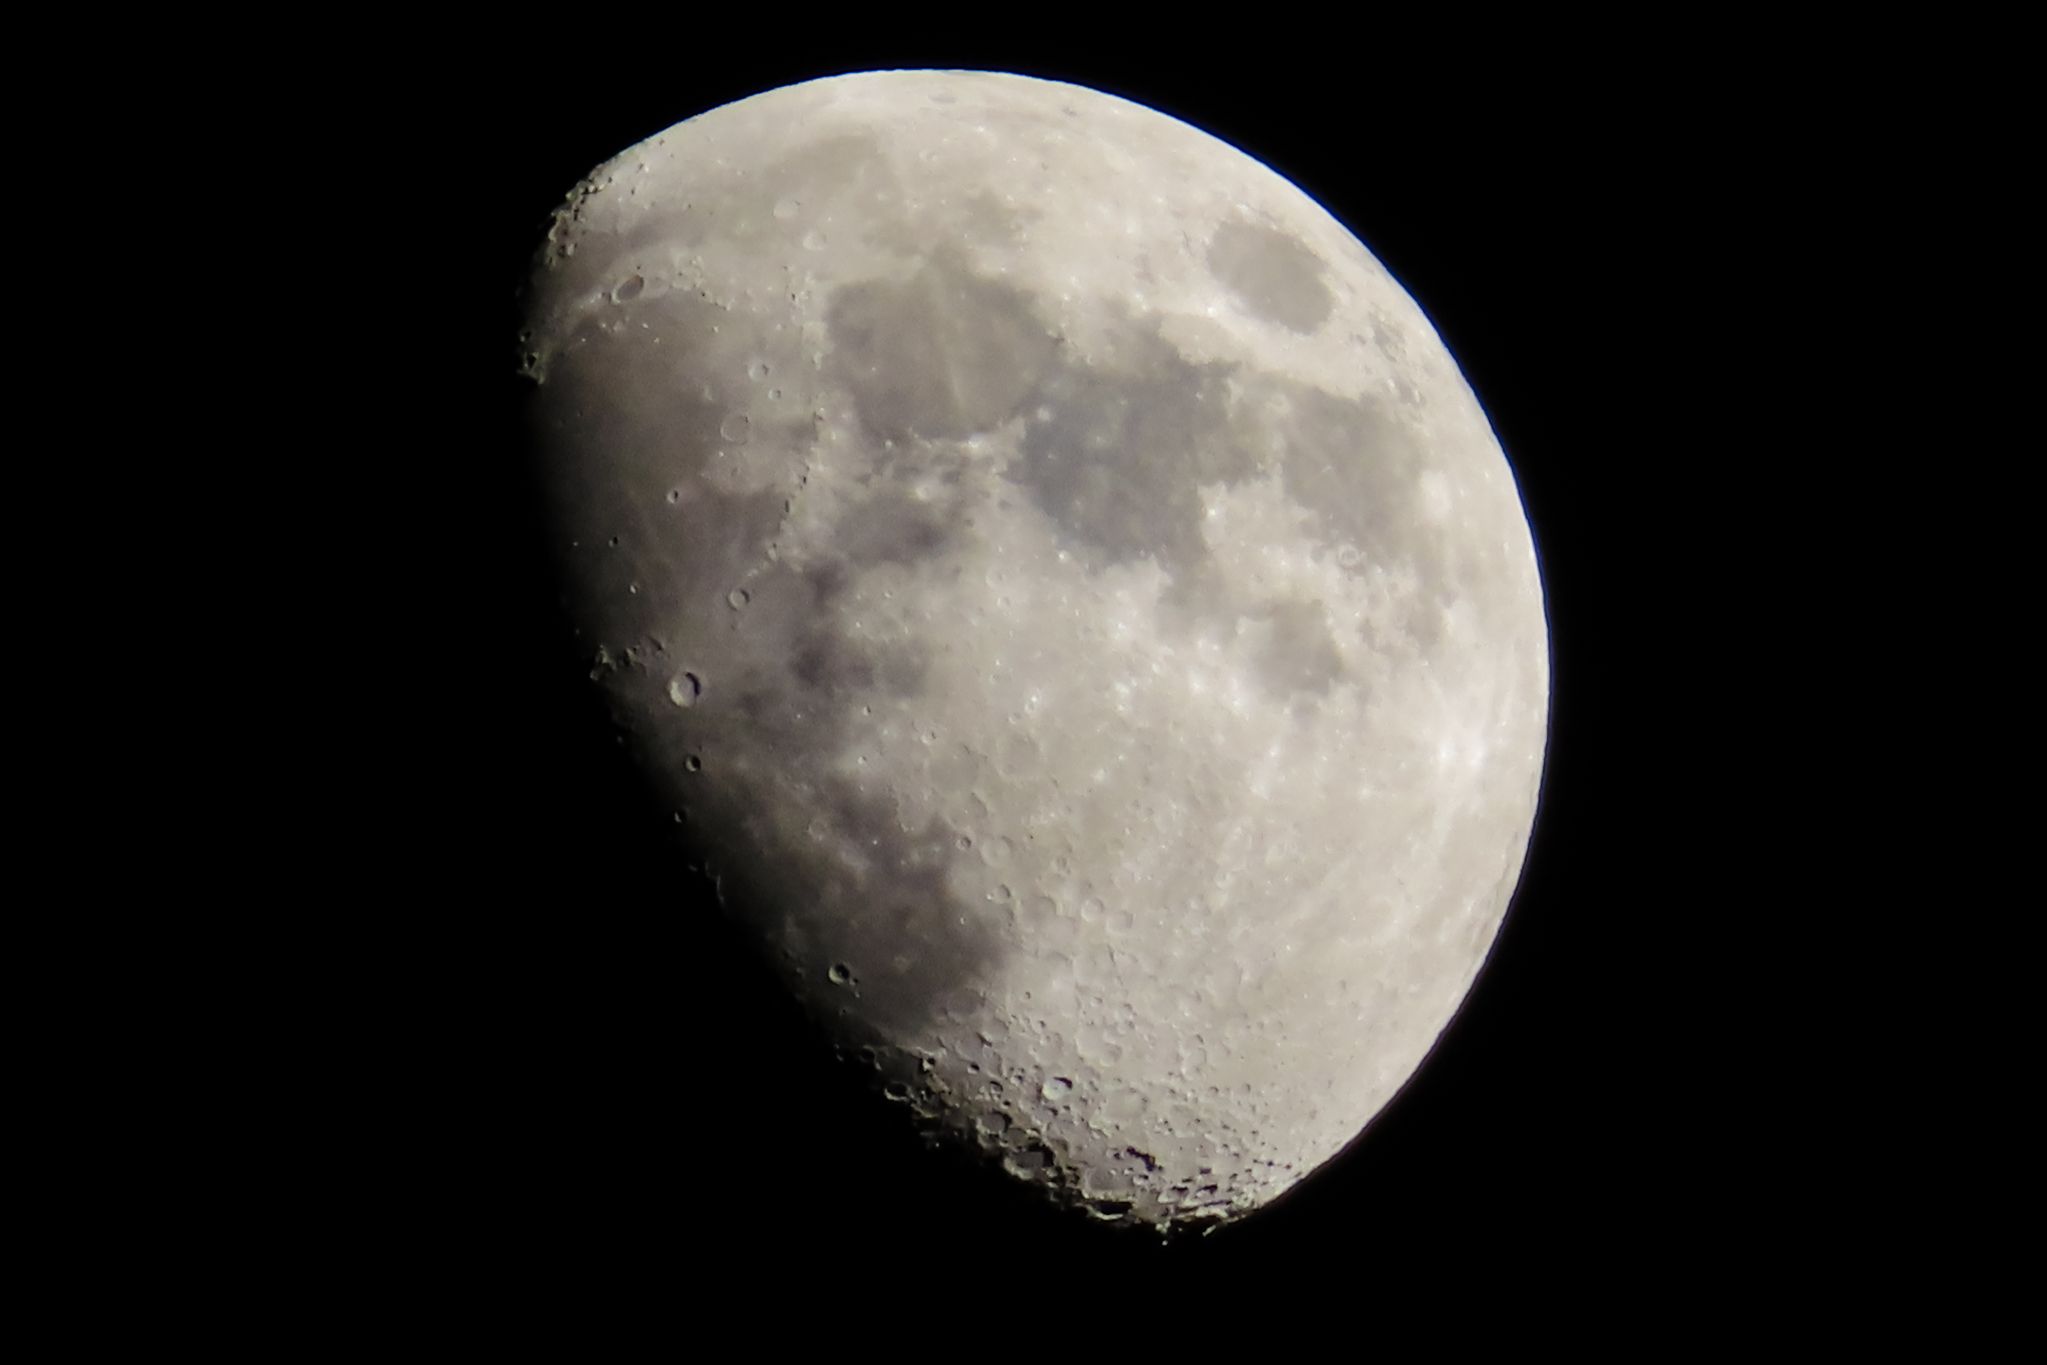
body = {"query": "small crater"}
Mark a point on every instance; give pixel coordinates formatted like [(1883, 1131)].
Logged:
[(627, 289), (1030, 1163), (839, 974)]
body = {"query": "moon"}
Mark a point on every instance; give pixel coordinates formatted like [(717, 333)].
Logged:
[(1071, 601)]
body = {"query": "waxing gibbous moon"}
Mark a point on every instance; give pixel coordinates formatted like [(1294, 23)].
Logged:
[(1078, 611)]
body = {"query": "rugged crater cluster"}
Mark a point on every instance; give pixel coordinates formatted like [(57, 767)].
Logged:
[(1075, 606)]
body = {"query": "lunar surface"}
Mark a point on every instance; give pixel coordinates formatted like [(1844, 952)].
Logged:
[(1075, 606)]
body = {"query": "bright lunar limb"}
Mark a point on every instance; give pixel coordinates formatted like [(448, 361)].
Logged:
[(1073, 599)]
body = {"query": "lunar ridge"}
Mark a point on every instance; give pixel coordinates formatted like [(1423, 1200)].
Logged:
[(1071, 599)]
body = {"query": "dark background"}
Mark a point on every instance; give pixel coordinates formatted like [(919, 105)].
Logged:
[(566, 1072)]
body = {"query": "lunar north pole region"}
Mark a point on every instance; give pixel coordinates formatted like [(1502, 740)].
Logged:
[(1074, 604)]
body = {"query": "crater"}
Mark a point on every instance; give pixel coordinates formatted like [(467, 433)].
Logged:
[(1271, 275)]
